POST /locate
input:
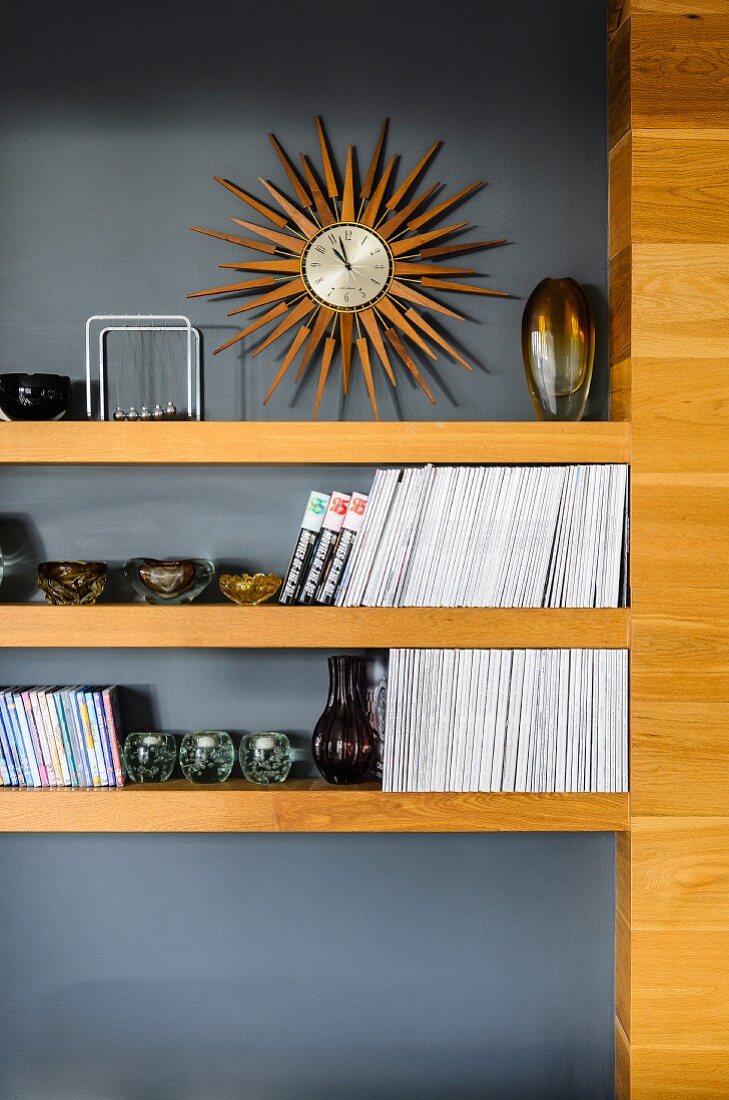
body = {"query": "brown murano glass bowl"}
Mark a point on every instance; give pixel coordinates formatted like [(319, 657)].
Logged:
[(72, 582), (165, 581)]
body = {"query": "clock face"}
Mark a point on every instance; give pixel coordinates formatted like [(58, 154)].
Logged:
[(347, 267)]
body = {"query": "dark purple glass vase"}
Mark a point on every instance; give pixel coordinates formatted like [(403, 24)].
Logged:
[(344, 742)]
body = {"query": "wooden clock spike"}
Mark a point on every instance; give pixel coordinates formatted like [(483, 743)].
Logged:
[(232, 288), (263, 320), (407, 183), (391, 226), (364, 358), (406, 245), (415, 317), (409, 294), (291, 354), (452, 249), (323, 209), (279, 267), (302, 195), (369, 182), (373, 206), (259, 207), (329, 347), (287, 290), (348, 192), (318, 329), (260, 246), (372, 328), (306, 225), (408, 269), (330, 178), (346, 324), (437, 211), (389, 310), (297, 312), (283, 240), (394, 337), (464, 288)]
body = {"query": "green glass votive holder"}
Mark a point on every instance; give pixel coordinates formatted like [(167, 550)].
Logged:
[(149, 757), (207, 756), (265, 757)]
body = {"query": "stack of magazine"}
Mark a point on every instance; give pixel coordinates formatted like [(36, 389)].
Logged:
[(60, 737), (491, 536), (506, 720)]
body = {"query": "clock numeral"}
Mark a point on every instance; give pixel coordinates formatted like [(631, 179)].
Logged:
[(332, 238), (379, 267), (375, 281), (348, 234), (315, 263), (319, 248), (319, 280), (364, 240), (375, 251), (346, 298), (362, 292)]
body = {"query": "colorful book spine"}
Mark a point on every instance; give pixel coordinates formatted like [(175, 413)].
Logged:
[(5, 700), (340, 555), (110, 699), (28, 735), (96, 761), (54, 736), (40, 737), (311, 525), (8, 752), (56, 707), (98, 704), (75, 728), (330, 529), (97, 736)]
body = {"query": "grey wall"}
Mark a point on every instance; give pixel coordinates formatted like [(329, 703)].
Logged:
[(156, 967)]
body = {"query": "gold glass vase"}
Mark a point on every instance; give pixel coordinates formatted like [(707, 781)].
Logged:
[(558, 346)]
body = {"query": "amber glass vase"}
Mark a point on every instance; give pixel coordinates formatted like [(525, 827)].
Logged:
[(558, 346), (343, 744)]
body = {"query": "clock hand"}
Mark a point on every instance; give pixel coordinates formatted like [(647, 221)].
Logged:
[(344, 251), (339, 255)]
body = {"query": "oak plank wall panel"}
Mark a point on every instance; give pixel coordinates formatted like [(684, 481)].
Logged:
[(681, 412), (679, 71), (669, 216)]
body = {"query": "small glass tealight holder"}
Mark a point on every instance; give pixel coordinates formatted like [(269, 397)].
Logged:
[(207, 756), (265, 757), (149, 757)]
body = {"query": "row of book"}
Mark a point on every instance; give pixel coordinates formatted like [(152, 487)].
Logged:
[(506, 720), (60, 737), (471, 536)]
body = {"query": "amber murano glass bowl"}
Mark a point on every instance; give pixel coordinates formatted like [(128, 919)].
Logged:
[(72, 582)]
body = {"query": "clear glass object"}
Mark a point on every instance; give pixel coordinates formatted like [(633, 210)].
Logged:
[(265, 757), (558, 348), (72, 582), (168, 581), (344, 744), (207, 756), (149, 757)]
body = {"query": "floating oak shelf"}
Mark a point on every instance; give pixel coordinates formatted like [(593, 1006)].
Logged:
[(273, 626), (307, 443), (306, 806)]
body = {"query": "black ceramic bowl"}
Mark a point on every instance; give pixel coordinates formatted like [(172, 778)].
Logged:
[(34, 396)]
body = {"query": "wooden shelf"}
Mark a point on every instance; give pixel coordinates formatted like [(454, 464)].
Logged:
[(306, 806), (272, 626), (287, 443)]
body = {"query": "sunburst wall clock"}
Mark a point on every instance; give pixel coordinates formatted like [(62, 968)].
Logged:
[(350, 263)]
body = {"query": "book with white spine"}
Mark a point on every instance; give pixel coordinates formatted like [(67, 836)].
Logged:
[(516, 693), (365, 535)]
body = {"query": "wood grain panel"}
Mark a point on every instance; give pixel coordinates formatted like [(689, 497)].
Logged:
[(622, 972), (679, 70), (309, 806), (680, 647), (620, 196), (307, 443), (619, 85), (679, 757), (691, 9), (679, 533), (621, 390), (680, 873), (680, 294), (680, 978), (680, 187), (660, 1073), (680, 415), (272, 626), (620, 306), (622, 1064)]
